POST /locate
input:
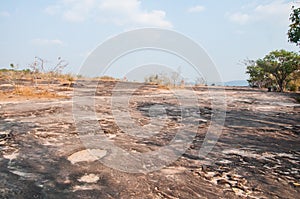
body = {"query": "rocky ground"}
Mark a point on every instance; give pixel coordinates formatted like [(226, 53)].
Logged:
[(43, 154)]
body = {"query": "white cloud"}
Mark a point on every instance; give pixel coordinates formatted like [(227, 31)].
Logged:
[(118, 12), (47, 42), (240, 18), (78, 10), (129, 12), (153, 18), (196, 9), (4, 14), (276, 12), (120, 6)]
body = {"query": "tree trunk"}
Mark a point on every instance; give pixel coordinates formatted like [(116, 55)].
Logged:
[(281, 85)]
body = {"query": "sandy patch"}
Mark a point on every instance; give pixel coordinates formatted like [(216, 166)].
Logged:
[(88, 155)]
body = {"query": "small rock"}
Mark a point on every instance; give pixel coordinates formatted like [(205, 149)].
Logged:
[(90, 178), (238, 191), (11, 156), (295, 184), (5, 135), (223, 182)]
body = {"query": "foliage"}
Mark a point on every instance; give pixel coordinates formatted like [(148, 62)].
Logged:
[(295, 82), (258, 78), (277, 68), (107, 78), (173, 79), (159, 79), (294, 28)]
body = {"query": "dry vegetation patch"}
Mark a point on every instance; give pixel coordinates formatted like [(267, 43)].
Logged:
[(29, 92)]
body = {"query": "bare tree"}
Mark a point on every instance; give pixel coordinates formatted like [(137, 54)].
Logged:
[(36, 67), (175, 77), (58, 68), (200, 81), (39, 67)]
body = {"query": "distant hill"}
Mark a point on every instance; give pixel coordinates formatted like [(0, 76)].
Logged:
[(236, 83), (229, 83)]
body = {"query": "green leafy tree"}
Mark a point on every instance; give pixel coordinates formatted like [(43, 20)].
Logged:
[(256, 73), (278, 67), (294, 29), (280, 64)]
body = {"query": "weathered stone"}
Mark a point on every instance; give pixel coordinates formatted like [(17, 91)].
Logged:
[(256, 156)]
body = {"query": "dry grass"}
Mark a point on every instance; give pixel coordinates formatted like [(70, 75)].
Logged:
[(168, 87), (65, 89), (29, 85), (28, 92), (106, 78), (163, 87)]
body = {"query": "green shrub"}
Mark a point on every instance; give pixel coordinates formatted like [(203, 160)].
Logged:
[(293, 87)]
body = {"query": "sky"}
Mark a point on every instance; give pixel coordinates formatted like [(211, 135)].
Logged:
[(229, 31)]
